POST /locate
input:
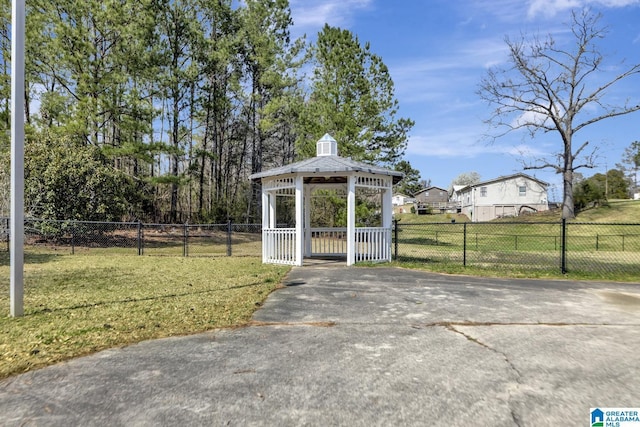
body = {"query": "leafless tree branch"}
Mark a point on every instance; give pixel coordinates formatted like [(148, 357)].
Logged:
[(547, 87)]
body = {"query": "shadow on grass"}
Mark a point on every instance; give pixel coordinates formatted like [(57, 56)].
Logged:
[(419, 259), (426, 241), (134, 300), (29, 258)]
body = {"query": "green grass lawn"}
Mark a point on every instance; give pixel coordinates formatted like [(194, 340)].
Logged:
[(623, 210), (76, 305)]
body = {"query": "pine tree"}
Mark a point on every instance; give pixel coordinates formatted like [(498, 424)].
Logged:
[(352, 98)]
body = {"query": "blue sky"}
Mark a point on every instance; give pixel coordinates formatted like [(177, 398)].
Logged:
[(437, 52)]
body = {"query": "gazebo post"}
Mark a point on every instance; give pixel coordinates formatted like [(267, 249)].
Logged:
[(387, 214), (271, 197), (266, 209), (307, 221), (351, 219), (299, 255)]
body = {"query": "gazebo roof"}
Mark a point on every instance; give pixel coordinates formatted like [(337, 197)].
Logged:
[(327, 169)]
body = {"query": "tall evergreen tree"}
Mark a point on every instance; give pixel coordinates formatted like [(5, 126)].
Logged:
[(178, 26), (218, 159), (265, 25), (411, 183), (352, 98)]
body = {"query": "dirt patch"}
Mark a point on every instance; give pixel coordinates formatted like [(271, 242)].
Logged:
[(317, 324)]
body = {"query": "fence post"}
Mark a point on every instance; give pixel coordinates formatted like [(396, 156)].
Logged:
[(73, 237), (464, 245), (185, 235), (229, 228), (8, 234), (597, 238), (395, 239), (563, 247), (140, 237)]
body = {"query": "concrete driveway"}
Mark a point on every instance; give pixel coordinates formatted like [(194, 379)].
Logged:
[(366, 346)]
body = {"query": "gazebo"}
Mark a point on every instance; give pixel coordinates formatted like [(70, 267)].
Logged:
[(283, 244)]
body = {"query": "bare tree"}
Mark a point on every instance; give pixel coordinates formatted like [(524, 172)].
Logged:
[(465, 178), (549, 89)]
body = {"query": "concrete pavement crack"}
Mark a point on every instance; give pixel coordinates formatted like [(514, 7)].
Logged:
[(446, 324), (518, 376)]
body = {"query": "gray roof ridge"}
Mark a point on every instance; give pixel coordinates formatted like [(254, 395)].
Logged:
[(327, 164)]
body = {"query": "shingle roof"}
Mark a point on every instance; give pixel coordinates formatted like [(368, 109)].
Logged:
[(430, 188), (504, 178), (327, 164)]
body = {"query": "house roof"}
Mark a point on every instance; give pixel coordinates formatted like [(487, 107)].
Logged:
[(502, 178), (430, 188), (316, 168)]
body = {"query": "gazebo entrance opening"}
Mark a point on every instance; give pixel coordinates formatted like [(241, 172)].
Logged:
[(326, 206), (326, 235)]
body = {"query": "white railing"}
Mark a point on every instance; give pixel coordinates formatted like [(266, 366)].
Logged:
[(279, 246), (329, 241), (373, 244)]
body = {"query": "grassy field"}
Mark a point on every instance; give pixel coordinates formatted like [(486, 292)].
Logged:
[(615, 211), (75, 305), (601, 243)]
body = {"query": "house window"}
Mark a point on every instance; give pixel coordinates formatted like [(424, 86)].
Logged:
[(522, 190), (483, 191), (426, 194)]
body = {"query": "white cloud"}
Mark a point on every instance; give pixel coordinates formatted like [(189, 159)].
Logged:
[(551, 8), (498, 10), (530, 118), (435, 78), (465, 144), (311, 15)]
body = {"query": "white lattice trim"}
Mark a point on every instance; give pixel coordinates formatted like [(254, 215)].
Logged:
[(373, 182), (279, 183)]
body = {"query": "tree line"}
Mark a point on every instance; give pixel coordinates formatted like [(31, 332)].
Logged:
[(160, 110), (618, 183)]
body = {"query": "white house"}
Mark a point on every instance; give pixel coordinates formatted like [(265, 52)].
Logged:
[(510, 195), (401, 199)]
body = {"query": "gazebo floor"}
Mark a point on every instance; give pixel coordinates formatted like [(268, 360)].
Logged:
[(324, 260)]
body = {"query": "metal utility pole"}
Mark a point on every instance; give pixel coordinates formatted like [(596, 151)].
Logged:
[(17, 158)]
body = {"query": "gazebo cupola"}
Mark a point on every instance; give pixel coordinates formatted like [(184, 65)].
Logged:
[(286, 244), (326, 146)]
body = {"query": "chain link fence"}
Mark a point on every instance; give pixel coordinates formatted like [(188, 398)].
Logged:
[(137, 238), (561, 246), (558, 246)]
